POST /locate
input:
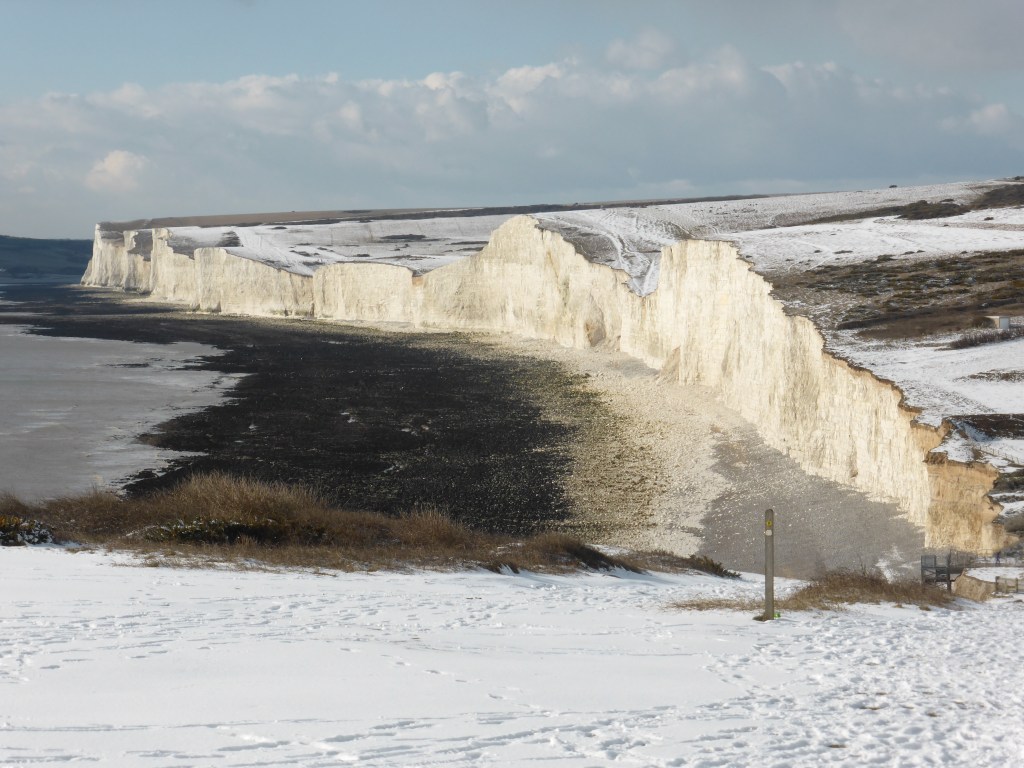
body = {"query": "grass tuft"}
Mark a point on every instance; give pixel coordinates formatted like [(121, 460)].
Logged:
[(834, 591), (839, 588), (218, 518)]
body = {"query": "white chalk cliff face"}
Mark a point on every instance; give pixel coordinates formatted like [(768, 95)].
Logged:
[(709, 319)]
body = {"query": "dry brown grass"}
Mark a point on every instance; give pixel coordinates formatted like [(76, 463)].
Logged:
[(834, 591), (717, 604), (840, 588), (215, 519)]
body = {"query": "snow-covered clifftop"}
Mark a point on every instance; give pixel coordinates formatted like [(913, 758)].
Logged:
[(706, 317)]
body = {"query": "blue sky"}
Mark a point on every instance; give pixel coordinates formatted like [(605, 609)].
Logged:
[(116, 109)]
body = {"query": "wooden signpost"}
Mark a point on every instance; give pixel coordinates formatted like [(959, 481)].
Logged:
[(769, 565)]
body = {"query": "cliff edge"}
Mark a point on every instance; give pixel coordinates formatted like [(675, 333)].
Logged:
[(745, 297)]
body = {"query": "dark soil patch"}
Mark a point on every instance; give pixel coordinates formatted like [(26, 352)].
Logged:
[(981, 336), (1002, 197), (372, 421), (919, 210), (905, 298), (994, 425), (1003, 375), (997, 197)]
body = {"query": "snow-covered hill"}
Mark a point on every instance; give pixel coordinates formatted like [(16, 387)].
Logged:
[(105, 661)]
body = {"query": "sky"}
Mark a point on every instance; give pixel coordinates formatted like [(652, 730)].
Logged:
[(122, 109)]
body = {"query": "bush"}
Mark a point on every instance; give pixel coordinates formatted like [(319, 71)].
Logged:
[(568, 552), (987, 336), (198, 531)]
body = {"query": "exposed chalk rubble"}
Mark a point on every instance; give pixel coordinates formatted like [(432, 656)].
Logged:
[(703, 291)]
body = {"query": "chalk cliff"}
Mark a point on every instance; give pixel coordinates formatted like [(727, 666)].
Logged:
[(712, 320)]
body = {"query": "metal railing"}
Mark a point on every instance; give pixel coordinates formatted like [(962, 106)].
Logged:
[(944, 568)]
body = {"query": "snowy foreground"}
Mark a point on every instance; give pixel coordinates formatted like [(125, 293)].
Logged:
[(106, 661)]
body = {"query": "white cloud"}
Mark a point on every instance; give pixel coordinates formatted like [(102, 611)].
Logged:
[(350, 114), (797, 75), (649, 49), (992, 120), (515, 87), (995, 122), (724, 72), (130, 98), (565, 130), (118, 171)]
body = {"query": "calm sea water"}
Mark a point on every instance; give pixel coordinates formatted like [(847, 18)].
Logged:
[(71, 409)]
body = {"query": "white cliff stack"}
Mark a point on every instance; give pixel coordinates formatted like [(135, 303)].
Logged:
[(629, 278)]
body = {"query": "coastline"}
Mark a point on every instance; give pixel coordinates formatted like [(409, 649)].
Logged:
[(72, 407), (371, 420), (505, 434)]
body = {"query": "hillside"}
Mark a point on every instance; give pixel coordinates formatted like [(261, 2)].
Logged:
[(845, 327)]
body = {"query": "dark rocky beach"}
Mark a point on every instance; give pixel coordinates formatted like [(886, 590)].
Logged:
[(370, 419)]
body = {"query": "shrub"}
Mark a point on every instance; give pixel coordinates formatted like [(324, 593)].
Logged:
[(236, 519), (560, 549), (199, 531), (987, 336)]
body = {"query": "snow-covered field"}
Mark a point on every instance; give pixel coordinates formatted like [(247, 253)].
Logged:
[(944, 382), (625, 238), (106, 661), (778, 250), (418, 244)]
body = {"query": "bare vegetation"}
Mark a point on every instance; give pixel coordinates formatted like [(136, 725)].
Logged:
[(217, 518), (1009, 482), (922, 209), (835, 590), (848, 587), (1004, 375), (998, 197), (976, 338), (905, 298)]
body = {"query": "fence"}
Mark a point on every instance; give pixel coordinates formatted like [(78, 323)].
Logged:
[(1007, 586), (943, 569)]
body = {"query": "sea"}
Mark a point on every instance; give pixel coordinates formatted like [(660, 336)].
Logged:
[(72, 410)]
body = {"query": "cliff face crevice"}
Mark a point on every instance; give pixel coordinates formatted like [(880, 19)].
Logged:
[(712, 321)]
